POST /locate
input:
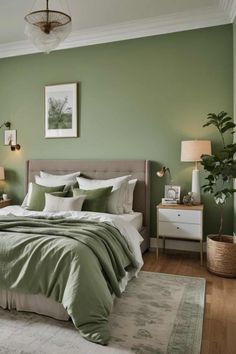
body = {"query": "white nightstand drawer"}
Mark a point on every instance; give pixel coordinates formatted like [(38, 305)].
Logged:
[(178, 215), (180, 230)]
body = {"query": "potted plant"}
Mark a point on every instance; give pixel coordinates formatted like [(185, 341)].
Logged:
[(221, 168)]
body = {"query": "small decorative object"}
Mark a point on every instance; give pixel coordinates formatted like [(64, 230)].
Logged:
[(10, 137), (191, 151), (221, 168), (187, 199), (169, 201), (195, 198), (47, 28), (61, 111), (4, 196), (172, 192)]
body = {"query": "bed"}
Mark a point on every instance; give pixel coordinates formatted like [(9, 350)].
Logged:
[(91, 169)]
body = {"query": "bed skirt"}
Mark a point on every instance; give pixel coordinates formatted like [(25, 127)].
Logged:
[(32, 303), (42, 305)]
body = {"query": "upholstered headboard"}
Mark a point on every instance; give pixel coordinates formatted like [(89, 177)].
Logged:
[(102, 169)]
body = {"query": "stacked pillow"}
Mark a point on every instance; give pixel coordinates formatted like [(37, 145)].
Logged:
[(49, 180), (35, 199), (113, 195), (128, 206), (95, 200), (120, 200), (47, 183), (55, 203)]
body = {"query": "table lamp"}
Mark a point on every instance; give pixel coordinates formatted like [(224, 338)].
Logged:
[(191, 151), (2, 174)]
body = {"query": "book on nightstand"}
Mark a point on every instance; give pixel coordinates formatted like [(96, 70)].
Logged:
[(169, 201)]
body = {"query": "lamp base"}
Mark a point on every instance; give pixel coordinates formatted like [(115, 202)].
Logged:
[(196, 194)]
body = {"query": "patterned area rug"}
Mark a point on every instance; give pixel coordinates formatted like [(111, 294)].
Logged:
[(157, 314)]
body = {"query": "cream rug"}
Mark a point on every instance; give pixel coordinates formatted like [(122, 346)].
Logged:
[(157, 314)]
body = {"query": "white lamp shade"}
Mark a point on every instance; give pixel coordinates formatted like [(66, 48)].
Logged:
[(191, 150), (2, 173)]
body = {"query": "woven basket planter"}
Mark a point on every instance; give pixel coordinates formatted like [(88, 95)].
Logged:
[(221, 255)]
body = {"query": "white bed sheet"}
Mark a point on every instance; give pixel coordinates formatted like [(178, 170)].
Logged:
[(135, 219)]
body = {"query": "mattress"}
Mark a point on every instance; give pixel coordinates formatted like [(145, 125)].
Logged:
[(136, 219)]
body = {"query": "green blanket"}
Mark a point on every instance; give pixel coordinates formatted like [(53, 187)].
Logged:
[(76, 263)]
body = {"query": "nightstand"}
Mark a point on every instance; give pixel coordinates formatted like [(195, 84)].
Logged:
[(180, 222), (5, 203)]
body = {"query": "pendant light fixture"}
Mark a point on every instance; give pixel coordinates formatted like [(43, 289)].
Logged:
[(47, 28)]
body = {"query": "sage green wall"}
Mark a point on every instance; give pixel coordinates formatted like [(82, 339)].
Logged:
[(138, 99), (234, 99)]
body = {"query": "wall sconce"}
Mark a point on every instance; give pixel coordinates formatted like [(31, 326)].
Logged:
[(15, 147), (10, 137), (163, 171), (7, 125)]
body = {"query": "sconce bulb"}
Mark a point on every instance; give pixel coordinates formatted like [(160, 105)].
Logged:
[(160, 173)]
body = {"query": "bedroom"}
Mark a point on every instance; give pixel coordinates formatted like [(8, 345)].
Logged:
[(137, 99)]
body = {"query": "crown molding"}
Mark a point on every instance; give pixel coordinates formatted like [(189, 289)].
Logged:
[(229, 6), (181, 21)]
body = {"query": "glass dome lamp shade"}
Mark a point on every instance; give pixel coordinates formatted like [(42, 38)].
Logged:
[(47, 28)]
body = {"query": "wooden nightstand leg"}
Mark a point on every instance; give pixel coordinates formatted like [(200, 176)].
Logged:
[(201, 252), (157, 249)]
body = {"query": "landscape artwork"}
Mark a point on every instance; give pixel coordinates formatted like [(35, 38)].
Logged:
[(61, 111)]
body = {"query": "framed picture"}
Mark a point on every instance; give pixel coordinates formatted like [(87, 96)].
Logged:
[(172, 192), (61, 111), (10, 137)]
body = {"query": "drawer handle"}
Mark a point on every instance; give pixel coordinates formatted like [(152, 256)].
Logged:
[(177, 227), (178, 214)]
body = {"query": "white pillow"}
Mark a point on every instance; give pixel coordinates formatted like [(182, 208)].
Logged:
[(54, 203), (25, 202), (116, 200), (55, 182), (69, 176), (128, 206)]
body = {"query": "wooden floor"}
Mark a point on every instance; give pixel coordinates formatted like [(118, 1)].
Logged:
[(219, 329)]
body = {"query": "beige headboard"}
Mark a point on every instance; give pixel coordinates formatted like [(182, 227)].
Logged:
[(102, 169)]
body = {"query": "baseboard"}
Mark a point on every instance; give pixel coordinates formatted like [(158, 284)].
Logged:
[(178, 245)]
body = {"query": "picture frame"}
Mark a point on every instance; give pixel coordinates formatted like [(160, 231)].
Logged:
[(61, 111), (172, 192), (10, 137)]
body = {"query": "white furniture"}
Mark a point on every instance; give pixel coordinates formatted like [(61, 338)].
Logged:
[(180, 222), (191, 151)]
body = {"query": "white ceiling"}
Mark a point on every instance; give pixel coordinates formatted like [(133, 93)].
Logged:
[(100, 21)]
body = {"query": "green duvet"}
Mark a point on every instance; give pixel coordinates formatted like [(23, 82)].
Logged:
[(76, 263)]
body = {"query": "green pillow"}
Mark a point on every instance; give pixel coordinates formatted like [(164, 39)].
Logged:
[(96, 199), (36, 198), (60, 194)]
